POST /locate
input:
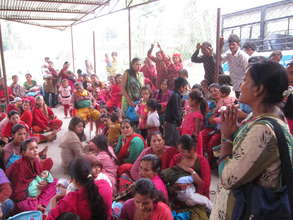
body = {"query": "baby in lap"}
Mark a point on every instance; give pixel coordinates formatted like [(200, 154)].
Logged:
[(33, 189), (187, 193)]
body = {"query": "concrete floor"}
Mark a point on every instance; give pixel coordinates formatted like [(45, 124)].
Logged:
[(54, 150)]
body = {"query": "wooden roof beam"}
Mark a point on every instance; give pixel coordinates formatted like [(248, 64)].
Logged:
[(81, 2), (37, 19), (44, 10)]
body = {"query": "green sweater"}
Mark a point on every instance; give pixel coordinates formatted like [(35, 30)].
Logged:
[(135, 148)]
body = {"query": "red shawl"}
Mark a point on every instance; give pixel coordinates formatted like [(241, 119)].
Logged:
[(21, 173), (41, 119), (173, 70), (27, 117), (116, 94), (7, 129), (124, 151)]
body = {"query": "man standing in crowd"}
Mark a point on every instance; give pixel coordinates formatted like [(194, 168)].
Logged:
[(250, 49), (208, 59), (237, 62)]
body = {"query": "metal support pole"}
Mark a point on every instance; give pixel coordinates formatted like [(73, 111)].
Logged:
[(94, 51), (218, 49), (129, 34), (72, 49), (3, 68), (262, 27)]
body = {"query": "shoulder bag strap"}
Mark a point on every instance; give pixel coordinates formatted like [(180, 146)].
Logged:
[(286, 165)]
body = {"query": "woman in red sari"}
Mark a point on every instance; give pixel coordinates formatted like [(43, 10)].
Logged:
[(173, 69), (12, 149), (27, 115), (92, 200), (43, 117), (158, 147), (27, 118), (14, 118), (66, 74), (149, 71), (28, 167), (115, 93), (162, 62)]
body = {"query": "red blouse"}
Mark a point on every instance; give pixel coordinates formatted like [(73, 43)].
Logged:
[(77, 203)]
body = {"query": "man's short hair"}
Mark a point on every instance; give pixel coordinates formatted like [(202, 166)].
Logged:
[(249, 45), (233, 38), (206, 44)]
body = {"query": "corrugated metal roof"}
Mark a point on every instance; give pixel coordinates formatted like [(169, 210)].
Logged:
[(57, 14)]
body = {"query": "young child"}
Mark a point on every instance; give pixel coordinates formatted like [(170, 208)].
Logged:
[(187, 193), (153, 120), (65, 96), (113, 129), (225, 80), (226, 99), (97, 172), (184, 74), (211, 135), (86, 81), (71, 187), (193, 120), (103, 125), (61, 190), (163, 94), (205, 89), (174, 112), (142, 111), (33, 189), (115, 93), (62, 186)]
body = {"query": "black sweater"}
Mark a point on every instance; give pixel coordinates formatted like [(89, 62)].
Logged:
[(174, 111)]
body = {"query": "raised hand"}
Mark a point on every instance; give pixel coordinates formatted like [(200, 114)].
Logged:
[(229, 122), (159, 46), (198, 46)]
